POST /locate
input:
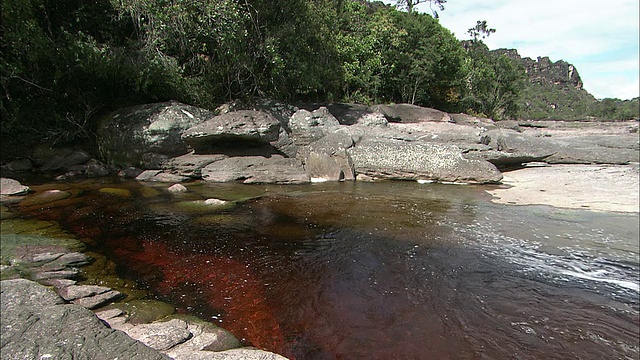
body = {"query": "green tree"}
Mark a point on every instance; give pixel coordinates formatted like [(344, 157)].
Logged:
[(409, 5), (427, 65), (494, 82)]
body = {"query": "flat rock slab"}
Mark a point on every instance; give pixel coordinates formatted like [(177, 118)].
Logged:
[(587, 187), (161, 335), (12, 187), (257, 170), (73, 292), (98, 300), (36, 325)]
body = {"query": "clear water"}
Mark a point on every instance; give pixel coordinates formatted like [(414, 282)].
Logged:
[(377, 270)]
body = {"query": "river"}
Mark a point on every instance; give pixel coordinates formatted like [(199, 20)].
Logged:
[(391, 270)]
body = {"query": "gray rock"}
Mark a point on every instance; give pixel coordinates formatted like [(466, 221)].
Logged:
[(465, 119), (345, 113), (160, 176), (190, 164), (152, 161), (12, 187), (326, 159), (303, 120), (73, 292), (161, 335), (256, 169), (63, 162), (372, 119), (605, 149), (205, 336), (96, 169), (72, 259), (407, 113), (35, 325), (130, 172), (147, 175), (20, 165), (127, 134), (61, 274), (245, 127), (402, 160), (58, 283), (177, 188), (241, 354), (98, 300), (109, 314), (308, 126), (512, 148)]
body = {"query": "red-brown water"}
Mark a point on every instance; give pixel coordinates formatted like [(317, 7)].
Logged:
[(376, 271)]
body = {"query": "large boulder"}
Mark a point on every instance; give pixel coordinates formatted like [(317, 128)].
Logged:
[(126, 135), (407, 113), (326, 159), (307, 126), (256, 170), (36, 324), (403, 160), (237, 128)]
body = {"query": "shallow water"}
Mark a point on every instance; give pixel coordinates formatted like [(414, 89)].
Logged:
[(384, 270)]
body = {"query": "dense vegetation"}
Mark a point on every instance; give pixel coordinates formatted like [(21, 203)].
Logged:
[(549, 101), (64, 63)]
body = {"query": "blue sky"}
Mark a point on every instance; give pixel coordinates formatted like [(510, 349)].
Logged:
[(599, 37)]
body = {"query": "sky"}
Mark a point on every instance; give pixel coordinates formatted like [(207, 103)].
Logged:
[(600, 38)]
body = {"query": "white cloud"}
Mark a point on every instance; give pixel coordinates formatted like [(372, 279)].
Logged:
[(593, 35)]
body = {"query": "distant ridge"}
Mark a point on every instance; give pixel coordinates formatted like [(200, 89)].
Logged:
[(543, 70)]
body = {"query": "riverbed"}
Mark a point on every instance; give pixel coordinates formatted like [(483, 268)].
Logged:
[(371, 270)]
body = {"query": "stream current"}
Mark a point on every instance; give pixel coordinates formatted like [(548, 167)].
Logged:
[(393, 270)]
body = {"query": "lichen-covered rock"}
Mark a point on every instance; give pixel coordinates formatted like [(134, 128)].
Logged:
[(256, 170), (402, 160), (126, 135)]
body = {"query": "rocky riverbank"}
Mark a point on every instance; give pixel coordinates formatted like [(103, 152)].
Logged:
[(587, 165), (51, 309), (285, 144)]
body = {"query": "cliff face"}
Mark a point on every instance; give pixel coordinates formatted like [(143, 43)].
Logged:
[(543, 71)]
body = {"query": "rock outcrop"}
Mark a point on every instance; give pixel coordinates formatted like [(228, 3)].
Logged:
[(128, 135), (282, 144)]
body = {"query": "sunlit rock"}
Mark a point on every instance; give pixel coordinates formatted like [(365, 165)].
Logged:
[(177, 188), (12, 187)]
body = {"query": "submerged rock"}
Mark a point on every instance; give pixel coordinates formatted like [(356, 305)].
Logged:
[(45, 197)]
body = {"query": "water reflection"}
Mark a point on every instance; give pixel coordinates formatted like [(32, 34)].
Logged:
[(359, 270)]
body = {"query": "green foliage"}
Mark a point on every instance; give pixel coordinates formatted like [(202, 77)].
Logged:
[(66, 63), (494, 83), (543, 100)]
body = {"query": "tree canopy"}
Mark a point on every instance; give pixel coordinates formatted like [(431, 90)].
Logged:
[(64, 63)]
